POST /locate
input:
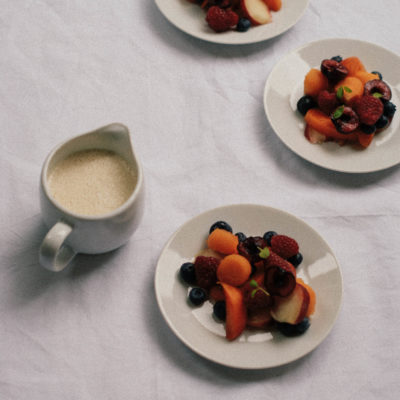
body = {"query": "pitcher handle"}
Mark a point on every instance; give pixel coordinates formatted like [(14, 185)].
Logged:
[(54, 254)]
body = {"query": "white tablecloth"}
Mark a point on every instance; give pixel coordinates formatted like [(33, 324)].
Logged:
[(195, 111)]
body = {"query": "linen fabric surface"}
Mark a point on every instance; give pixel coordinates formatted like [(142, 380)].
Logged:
[(196, 116)]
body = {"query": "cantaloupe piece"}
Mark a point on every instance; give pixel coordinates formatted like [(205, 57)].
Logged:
[(323, 124), (234, 270), (236, 314), (365, 139), (274, 5), (353, 65), (223, 241), (320, 122), (354, 84), (314, 82), (365, 76)]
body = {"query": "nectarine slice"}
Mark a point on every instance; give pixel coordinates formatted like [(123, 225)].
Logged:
[(291, 309), (256, 11), (259, 319), (274, 5), (313, 297)]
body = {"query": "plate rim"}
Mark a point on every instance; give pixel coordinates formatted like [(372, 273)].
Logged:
[(220, 39), (202, 353), (292, 148)]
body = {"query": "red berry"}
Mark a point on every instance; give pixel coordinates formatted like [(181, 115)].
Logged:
[(220, 19), (284, 246), (327, 102), (369, 109), (206, 271)]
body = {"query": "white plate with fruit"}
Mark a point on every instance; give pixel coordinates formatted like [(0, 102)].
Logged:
[(347, 88), (247, 336), (262, 23)]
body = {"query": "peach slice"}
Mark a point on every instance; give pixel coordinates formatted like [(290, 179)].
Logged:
[(236, 315), (291, 309), (256, 11)]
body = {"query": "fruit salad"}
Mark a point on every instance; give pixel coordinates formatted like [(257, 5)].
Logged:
[(251, 281), (239, 15), (345, 103)]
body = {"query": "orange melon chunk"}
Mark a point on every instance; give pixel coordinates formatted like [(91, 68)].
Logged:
[(365, 76), (364, 139), (353, 65), (354, 84), (314, 82), (234, 270), (223, 241), (323, 124)]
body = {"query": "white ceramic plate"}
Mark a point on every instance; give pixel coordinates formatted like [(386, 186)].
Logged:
[(190, 18), (253, 349), (284, 87)]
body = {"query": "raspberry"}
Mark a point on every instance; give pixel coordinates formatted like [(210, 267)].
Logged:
[(206, 271), (275, 260), (369, 109), (327, 102), (221, 20), (284, 246)]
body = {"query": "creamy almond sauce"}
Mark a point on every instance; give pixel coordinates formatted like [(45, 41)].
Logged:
[(92, 182)]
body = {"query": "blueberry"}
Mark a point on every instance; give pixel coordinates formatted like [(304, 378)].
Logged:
[(337, 58), (296, 260), (377, 73), (382, 122), (197, 296), (243, 25), (187, 273), (268, 236), (293, 330), (219, 310), (221, 225), (389, 109), (304, 104), (241, 236), (368, 129)]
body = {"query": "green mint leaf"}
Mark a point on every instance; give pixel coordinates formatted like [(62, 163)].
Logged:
[(377, 95), (253, 293), (339, 92), (253, 283), (264, 253), (347, 89), (338, 112)]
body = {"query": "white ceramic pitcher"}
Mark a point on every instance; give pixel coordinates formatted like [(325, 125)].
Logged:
[(71, 233)]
